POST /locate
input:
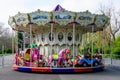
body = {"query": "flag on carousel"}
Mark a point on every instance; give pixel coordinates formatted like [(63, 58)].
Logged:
[(58, 8)]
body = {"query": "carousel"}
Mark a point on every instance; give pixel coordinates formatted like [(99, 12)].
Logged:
[(55, 38)]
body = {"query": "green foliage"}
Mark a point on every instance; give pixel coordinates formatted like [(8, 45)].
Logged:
[(20, 36), (95, 50), (8, 50), (116, 47), (0, 51), (107, 50)]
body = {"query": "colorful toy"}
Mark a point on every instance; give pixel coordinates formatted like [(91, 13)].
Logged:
[(62, 57), (18, 59), (87, 62), (50, 60), (31, 56)]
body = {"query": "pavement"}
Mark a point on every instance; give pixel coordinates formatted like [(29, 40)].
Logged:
[(109, 73)]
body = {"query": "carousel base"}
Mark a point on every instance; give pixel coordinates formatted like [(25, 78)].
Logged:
[(57, 70)]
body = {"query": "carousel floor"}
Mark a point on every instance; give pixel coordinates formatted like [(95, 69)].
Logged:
[(57, 70)]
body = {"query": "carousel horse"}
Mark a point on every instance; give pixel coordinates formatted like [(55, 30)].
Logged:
[(62, 57), (50, 60), (31, 56), (18, 59), (35, 54)]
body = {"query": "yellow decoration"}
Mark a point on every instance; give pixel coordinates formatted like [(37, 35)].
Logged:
[(75, 15), (55, 56), (27, 56), (29, 18), (51, 16)]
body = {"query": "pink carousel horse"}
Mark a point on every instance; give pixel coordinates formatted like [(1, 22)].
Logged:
[(18, 59), (62, 57), (32, 56)]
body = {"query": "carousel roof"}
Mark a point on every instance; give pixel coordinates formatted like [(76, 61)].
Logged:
[(58, 17)]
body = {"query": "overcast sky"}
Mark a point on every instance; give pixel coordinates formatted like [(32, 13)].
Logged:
[(12, 7)]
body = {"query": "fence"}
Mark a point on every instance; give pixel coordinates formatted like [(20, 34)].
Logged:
[(6, 60), (112, 60)]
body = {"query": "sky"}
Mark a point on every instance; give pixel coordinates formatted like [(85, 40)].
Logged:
[(12, 7)]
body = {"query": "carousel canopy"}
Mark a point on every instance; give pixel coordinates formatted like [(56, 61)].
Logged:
[(58, 17)]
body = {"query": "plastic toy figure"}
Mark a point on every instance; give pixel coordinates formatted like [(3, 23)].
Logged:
[(18, 59), (62, 57), (50, 60)]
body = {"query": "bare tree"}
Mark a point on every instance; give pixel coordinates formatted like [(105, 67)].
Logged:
[(5, 37), (1, 25), (114, 16)]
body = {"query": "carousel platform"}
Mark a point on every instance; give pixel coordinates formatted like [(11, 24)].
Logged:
[(58, 70)]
